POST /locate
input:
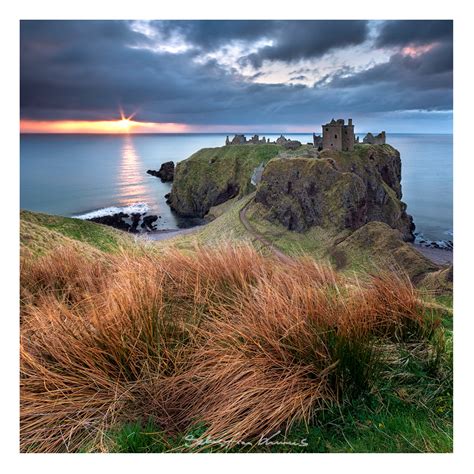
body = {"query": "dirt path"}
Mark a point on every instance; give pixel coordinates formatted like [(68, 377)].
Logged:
[(278, 253)]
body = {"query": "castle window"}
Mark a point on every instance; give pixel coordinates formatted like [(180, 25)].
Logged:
[(335, 136), (327, 129)]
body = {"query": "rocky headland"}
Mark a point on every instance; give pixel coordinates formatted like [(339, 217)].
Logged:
[(354, 197)]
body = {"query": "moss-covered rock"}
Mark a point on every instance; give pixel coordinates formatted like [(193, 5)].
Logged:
[(338, 190), (213, 175), (307, 192)]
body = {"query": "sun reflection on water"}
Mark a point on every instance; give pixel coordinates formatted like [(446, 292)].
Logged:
[(131, 179)]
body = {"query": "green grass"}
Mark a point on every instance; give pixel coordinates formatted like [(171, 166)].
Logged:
[(225, 226), (101, 237), (217, 164), (383, 422)]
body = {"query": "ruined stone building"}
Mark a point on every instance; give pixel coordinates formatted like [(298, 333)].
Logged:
[(242, 140), (281, 140), (237, 140), (377, 140), (338, 136), (317, 141)]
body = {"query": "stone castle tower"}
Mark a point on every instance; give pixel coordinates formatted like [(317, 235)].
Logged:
[(337, 136)]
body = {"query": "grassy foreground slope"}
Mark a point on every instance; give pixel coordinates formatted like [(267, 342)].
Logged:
[(42, 232), (127, 349)]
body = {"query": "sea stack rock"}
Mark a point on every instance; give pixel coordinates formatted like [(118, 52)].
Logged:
[(165, 173)]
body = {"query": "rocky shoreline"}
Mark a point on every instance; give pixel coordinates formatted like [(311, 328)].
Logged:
[(433, 244), (129, 222)]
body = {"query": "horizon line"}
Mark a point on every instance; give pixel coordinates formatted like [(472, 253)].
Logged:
[(217, 133)]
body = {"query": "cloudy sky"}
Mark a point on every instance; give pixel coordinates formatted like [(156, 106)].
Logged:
[(230, 76)]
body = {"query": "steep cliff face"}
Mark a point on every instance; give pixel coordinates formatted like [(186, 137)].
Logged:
[(338, 190), (213, 175)]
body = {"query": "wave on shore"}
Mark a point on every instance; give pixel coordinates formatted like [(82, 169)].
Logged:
[(139, 207), (445, 244)]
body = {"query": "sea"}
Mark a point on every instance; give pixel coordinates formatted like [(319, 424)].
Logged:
[(89, 176)]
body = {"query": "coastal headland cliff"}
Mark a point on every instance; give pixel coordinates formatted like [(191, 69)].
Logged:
[(347, 204)]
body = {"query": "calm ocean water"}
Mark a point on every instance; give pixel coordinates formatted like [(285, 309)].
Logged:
[(90, 175)]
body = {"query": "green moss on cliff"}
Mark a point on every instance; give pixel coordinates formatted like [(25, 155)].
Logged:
[(213, 175), (301, 193), (335, 190)]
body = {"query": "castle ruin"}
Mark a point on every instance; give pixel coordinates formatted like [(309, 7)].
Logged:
[(242, 140), (377, 140), (338, 136)]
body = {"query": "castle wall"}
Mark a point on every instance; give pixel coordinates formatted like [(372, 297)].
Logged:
[(348, 138), (332, 136)]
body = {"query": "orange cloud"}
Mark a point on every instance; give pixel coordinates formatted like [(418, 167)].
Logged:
[(415, 51), (100, 126)]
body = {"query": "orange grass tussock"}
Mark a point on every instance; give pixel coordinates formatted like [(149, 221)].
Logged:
[(243, 344)]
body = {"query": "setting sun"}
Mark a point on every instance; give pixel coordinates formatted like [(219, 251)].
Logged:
[(124, 124)]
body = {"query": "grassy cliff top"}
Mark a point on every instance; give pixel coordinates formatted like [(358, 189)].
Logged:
[(215, 163)]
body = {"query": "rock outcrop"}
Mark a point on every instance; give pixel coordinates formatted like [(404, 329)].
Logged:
[(213, 175), (165, 173), (148, 222), (114, 220), (383, 247), (119, 221), (339, 190)]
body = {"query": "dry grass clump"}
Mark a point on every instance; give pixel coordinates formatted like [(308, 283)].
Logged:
[(243, 344)]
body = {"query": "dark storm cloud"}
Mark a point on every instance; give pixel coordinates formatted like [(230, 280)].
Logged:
[(292, 40), (89, 69), (297, 40), (211, 34), (404, 32), (431, 70)]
